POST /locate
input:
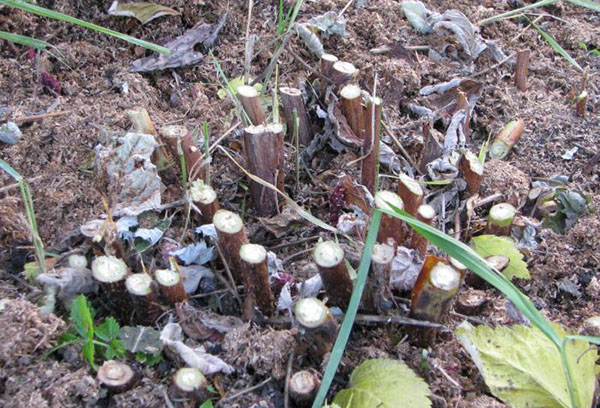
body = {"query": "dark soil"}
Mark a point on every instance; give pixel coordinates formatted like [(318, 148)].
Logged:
[(56, 155)]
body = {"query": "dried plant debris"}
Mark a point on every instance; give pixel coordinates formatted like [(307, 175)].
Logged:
[(70, 282), (131, 173), (26, 330), (183, 49), (265, 351), (571, 206), (451, 21), (141, 339), (172, 336), (144, 12), (10, 133), (45, 384), (330, 23)]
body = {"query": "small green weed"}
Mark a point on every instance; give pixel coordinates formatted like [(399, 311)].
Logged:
[(83, 331)]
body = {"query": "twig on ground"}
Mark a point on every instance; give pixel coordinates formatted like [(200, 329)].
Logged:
[(286, 387), (40, 116), (485, 71), (247, 390)]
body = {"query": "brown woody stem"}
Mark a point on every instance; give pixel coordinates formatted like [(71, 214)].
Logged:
[(371, 145), (318, 326), (580, 103), (325, 67), (391, 227), (171, 285), (116, 376), (205, 198), (343, 73), (303, 387), (181, 141), (111, 273), (264, 153), (425, 214), (472, 171), (191, 385), (522, 70), (254, 263), (500, 219), (231, 235), (143, 295), (291, 99), (351, 96), (378, 296), (436, 287), (250, 100), (506, 139), (329, 257), (411, 193)]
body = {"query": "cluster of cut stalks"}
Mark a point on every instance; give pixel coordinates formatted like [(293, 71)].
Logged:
[(438, 282)]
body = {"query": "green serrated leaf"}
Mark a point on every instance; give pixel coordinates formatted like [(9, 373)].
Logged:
[(68, 337), (88, 353), (108, 330), (82, 316), (491, 245), (117, 346), (523, 368), (384, 383), (206, 404)]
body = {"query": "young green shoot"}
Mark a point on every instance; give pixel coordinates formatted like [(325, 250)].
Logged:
[(84, 332)]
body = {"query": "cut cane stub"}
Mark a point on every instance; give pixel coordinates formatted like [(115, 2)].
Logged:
[(202, 193), (139, 284), (109, 269), (190, 379), (445, 277), (253, 253), (328, 254), (247, 91), (167, 277), (351, 92), (311, 312), (116, 376), (228, 222), (502, 214), (383, 199)]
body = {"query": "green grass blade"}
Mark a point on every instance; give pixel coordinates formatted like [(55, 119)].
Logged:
[(592, 5), (359, 285), (41, 11), (11, 172), (557, 46), (24, 40), (513, 13)]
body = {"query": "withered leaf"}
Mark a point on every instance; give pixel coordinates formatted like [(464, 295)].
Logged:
[(144, 12)]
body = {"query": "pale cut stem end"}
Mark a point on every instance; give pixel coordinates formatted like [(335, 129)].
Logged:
[(116, 376), (167, 277), (202, 193), (77, 261), (253, 253), (109, 269), (345, 68), (351, 92), (228, 222), (502, 215), (383, 199), (139, 284), (311, 313), (328, 254), (303, 387), (247, 91), (444, 277), (190, 379)]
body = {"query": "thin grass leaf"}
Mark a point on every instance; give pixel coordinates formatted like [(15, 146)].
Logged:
[(557, 46), (24, 40), (359, 284), (592, 5), (512, 13), (41, 11)]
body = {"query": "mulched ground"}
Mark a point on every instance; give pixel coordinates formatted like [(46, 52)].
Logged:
[(56, 155)]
